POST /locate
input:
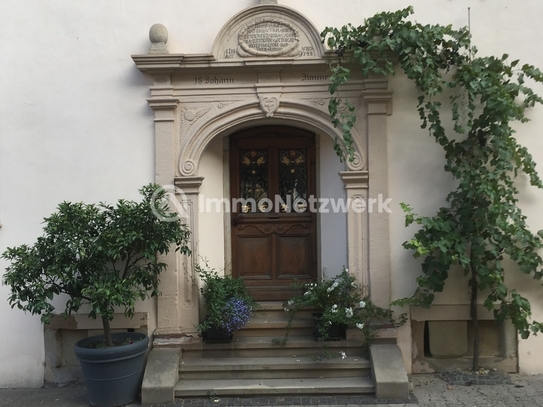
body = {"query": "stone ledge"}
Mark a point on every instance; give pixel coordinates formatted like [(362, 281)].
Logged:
[(82, 321), (161, 376), (388, 370), (449, 312)]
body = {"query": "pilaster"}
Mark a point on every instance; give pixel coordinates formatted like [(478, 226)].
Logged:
[(165, 109), (187, 190), (378, 101), (356, 185)]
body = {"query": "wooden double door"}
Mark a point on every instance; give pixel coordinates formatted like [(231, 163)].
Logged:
[(273, 225)]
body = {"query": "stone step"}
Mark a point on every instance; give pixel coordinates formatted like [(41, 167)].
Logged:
[(277, 309), (273, 368), (252, 346), (273, 332), (253, 364), (386, 335), (288, 386), (270, 319), (276, 327)]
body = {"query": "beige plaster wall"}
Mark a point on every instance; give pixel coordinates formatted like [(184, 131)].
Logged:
[(332, 226), (74, 123), (210, 245)]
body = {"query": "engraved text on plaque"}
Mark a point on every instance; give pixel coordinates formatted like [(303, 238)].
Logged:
[(268, 37)]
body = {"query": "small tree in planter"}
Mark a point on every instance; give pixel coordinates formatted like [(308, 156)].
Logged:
[(99, 255)]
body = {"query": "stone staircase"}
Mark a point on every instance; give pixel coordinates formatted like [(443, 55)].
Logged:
[(253, 364)]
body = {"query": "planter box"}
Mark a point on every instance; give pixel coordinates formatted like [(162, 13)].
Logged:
[(217, 335), (335, 332), (113, 375)]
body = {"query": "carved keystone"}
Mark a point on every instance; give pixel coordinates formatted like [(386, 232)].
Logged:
[(269, 96), (269, 104)]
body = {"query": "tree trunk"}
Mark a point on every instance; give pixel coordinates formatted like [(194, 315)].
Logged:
[(107, 332), (474, 319)]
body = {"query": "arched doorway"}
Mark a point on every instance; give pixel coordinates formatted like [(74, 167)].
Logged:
[(197, 98), (273, 223)]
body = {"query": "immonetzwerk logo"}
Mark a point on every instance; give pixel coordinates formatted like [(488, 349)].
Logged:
[(179, 202), (299, 205)]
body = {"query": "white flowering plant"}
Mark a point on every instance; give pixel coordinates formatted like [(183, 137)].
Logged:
[(339, 300)]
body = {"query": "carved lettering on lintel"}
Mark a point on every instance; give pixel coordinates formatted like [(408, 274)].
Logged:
[(268, 37)]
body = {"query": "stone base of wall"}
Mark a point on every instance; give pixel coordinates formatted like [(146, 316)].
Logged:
[(60, 336)]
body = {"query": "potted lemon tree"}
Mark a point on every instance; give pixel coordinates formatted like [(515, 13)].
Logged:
[(101, 257)]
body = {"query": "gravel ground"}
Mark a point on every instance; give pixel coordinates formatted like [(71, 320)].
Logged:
[(427, 390)]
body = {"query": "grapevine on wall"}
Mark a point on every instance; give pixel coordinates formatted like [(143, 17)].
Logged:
[(481, 228)]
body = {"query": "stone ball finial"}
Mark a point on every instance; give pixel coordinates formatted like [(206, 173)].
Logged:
[(158, 35)]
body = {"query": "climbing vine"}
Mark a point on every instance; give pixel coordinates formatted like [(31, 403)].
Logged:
[(481, 227)]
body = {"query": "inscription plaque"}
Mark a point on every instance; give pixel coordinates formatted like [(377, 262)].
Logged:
[(268, 37)]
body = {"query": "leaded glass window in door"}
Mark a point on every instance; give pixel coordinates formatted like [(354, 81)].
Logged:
[(293, 178), (253, 178)]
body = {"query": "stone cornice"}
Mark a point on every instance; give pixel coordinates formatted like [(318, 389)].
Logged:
[(158, 62), (164, 63), (378, 101), (189, 185), (355, 179), (163, 103)]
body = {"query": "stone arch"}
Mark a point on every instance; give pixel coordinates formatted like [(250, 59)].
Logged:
[(294, 113)]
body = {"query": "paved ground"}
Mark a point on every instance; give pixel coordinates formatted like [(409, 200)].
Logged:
[(427, 391)]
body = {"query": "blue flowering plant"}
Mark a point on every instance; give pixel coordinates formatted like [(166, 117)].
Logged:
[(229, 305), (340, 300)]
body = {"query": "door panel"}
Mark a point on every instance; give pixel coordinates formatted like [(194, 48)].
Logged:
[(256, 260), (273, 232), (293, 257)]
